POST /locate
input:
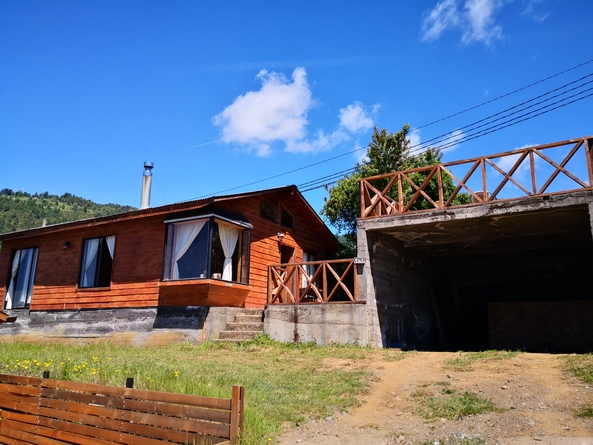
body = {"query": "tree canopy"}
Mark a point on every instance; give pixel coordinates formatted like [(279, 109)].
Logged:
[(20, 210), (386, 153)]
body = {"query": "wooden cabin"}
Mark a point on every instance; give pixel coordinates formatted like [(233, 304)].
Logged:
[(209, 252)]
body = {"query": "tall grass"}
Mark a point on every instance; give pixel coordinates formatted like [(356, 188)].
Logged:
[(284, 382), (581, 366)]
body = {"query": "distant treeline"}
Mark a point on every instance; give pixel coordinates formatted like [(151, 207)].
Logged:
[(21, 210)]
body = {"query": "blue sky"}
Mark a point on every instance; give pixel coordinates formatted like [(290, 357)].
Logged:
[(231, 96)]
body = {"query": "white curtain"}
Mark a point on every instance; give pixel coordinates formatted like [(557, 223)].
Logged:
[(304, 280), (185, 234), (110, 244), (228, 238), (15, 268), (90, 254)]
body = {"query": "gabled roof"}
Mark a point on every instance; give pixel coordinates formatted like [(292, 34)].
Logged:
[(310, 215)]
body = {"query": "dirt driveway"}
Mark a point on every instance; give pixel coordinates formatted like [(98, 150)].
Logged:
[(536, 396)]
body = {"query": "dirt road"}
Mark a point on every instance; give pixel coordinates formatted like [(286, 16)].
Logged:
[(536, 396)]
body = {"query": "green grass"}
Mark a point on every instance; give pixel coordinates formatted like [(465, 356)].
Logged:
[(440, 401), (283, 382), (465, 360), (581, 366)]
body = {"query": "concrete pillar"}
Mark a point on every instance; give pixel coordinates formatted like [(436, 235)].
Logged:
[(366, 291)]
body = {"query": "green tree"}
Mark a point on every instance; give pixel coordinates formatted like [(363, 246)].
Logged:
[(386, 153)]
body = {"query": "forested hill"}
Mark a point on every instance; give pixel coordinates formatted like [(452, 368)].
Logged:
[(21, 210)]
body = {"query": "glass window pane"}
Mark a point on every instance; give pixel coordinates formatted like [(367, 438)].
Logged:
[(22, 283), (194, 262)]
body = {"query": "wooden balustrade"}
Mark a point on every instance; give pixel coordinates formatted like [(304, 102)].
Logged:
[(500, 177), (312, 282)]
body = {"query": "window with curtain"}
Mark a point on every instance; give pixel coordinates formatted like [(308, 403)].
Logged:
[(22, 276), (309, 268), (97, 262), (206, 248)]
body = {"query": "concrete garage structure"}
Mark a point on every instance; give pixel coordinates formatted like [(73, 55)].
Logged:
[(497, 273)]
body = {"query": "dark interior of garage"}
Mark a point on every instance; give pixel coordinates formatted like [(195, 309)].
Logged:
[(514, 281)]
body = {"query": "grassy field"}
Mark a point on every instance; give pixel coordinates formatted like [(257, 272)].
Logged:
[(284, 382)]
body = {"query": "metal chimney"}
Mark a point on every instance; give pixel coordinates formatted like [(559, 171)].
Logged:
[(146, 185)]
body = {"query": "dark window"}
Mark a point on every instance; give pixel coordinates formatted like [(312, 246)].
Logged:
[(286, 219), (267, 210), (22, 276), (97, 262), (207, 248)]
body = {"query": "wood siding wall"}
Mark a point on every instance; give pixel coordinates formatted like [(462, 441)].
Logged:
[(139, 252)]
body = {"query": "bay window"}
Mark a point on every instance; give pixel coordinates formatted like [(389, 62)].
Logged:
[(207, 247)]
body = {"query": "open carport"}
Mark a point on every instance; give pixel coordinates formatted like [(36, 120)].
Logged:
[(499, 275)]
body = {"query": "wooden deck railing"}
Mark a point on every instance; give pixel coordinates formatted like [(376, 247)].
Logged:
[(312, 282), (565, 166)]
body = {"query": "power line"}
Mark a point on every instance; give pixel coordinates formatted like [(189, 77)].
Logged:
[(285, 173), (451, 137), (447, 136), (505, 95)]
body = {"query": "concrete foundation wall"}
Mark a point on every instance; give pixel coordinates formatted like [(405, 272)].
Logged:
[(399, 312), (323, 324), (128, 326)]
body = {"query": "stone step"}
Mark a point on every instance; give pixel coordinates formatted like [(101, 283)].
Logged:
[(252, 311), (255, 327), (238, 335), (244, 318)]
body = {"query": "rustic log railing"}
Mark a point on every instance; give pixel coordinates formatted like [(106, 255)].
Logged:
[(503, 173), (312, 282)]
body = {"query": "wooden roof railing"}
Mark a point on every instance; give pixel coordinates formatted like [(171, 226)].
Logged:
[(313, 282), (524, 173)]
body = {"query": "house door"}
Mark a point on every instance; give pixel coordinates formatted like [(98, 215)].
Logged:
[(289, 274), (22, 276), (286, 254)]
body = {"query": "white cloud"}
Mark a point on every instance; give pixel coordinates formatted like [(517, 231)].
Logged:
[(531, 12), (506, 163), (453, 140), (475, 20), (444, 16), (415, 141), (354, 118), (277, 113)]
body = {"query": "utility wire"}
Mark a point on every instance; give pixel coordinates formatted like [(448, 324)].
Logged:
[(505, 95), (285, 173), (322, 182), (474, 125), (509, 123)]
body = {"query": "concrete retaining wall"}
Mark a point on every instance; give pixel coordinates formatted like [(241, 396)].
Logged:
[(128, 326), (323, 324)]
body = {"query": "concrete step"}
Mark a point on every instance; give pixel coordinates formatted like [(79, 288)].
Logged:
[(238, 335), (255, 327), (252, 311), (245, 318)]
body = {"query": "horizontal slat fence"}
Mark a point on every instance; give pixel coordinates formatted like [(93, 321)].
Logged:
[(48, 411)]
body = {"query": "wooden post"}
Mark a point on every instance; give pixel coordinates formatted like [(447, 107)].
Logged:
[(589, 155), (237, 406)]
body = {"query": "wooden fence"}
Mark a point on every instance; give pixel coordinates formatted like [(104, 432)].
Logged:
[(312, 282), (525, 173)]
